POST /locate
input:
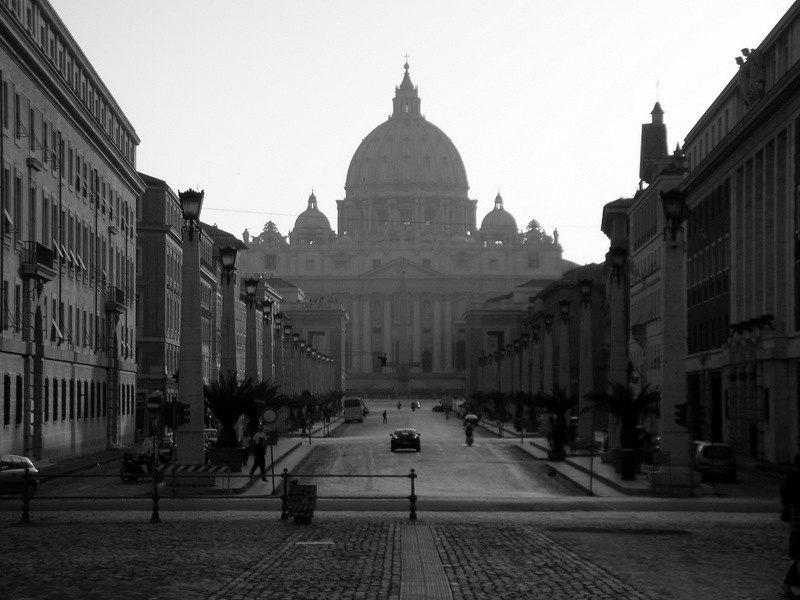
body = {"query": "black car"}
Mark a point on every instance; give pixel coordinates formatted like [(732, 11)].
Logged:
[(405, 438), (13, 476)]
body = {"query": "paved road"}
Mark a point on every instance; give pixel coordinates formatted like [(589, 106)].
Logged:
[(470, 556)]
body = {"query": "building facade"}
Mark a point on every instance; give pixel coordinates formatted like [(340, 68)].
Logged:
[(68, 189), (408, 257)]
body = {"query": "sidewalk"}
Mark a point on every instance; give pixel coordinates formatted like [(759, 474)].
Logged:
[(602, 479), (287, 444)]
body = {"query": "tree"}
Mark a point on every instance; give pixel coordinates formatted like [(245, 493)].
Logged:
[(620, 401)]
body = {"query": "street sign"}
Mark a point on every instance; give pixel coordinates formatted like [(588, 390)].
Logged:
[(153, 405), (269, 416)]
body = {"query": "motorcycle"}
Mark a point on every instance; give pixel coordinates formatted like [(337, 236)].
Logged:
[(470, 437), (135, 467)]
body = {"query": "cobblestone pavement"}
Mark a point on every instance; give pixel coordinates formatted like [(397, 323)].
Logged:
[(371, 556)]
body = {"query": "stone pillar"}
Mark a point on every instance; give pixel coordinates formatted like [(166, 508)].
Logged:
[(448, 333), (585, 374), (268, 350), (674, 437), (437, 334), (251, 367), (387, 327), (227, 359), (190, 385), (366, 350), (547, 374), (564, 383), (416, 332)]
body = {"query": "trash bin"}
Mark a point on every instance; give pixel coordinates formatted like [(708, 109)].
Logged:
[(628, 463)]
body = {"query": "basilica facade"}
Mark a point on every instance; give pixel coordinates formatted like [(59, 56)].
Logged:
[(408, 257)]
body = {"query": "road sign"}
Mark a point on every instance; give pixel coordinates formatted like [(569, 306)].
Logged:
[(600, 420), (154, 405), (269, 416)]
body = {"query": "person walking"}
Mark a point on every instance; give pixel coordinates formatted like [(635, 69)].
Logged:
[(260, 458), (790, 500), (385, 418), (247, 446)]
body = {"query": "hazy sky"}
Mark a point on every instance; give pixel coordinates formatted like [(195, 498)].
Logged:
[(259, 101)]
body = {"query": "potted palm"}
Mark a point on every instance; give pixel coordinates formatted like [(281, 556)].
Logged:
[(557, 405), (628, 407), (229, 399)]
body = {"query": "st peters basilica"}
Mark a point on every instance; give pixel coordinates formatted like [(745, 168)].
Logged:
[(407, 259)]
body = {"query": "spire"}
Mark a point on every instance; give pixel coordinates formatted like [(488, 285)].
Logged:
[(406, 99), (312, 201), (653, 150), (658, 114), (498, 201)]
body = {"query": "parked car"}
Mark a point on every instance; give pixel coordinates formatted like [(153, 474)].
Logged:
[(12, 475), (438, 407), (713, 459), (405, 438)]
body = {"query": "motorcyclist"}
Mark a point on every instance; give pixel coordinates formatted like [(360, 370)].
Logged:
[(469, 430)]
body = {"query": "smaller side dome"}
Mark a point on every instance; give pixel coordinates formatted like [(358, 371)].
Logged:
[(498, 221), (312, 219)]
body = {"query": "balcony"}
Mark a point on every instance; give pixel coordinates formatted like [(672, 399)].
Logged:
[(115, 299), (37, 262)]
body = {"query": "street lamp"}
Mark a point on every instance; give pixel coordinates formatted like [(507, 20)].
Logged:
[(227, 256), (548, 322), (563, 310), (675, 212), (536, 329), (266, 308), (619, 255), (250, 288), (585, 286), (191, 205)]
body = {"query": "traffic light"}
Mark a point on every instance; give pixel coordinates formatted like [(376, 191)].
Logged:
[(168, 414), (182, 415), (680, 414)]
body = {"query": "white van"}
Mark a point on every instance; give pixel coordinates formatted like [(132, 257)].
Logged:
[(354, 409)]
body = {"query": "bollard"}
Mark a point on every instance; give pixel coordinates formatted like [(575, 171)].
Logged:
[(413, 496), (285, 495), (26, 499), (155, 518)]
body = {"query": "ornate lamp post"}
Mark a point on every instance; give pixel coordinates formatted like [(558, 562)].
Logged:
[(190, 365), (280, 373), (228, 362), (564, 369), (251, 339), (585, 365), (301, 366), (675, 438), (547, 375), (268, 352)]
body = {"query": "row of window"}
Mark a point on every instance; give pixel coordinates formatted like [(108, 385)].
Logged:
[(50, 42), (63, 400)]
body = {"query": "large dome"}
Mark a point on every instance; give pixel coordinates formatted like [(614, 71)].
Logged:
[(498, 221), (406, 154), (312, 219)]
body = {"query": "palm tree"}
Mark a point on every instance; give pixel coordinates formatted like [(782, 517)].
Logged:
[(228, 399), (557, 405), (620, 401)]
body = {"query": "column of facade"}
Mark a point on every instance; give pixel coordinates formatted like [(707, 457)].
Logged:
[(448, 333), (355, 333), (536, 361), (387, 327), (437, 334), (251, 366), (366, 350), (227, 359), (416, 332)]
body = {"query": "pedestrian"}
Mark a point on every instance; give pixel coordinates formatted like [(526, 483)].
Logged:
[(247, 446), (398, 406), (385, 419), (790, 501), (260, 458)]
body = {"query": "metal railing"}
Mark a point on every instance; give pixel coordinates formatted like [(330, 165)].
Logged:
[(184, 484)]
